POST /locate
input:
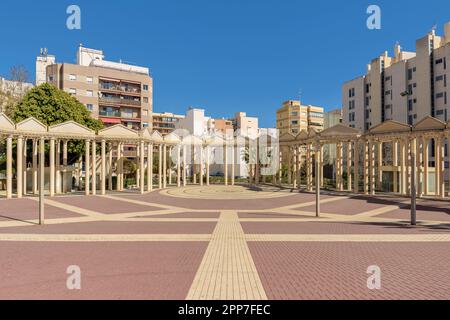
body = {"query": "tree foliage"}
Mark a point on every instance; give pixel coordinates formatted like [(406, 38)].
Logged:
[(51, 106)]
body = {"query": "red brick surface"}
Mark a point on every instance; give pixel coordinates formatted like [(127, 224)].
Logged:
[(28, 209), (104, 205), (108, 270), (338, 270), (337, 228)]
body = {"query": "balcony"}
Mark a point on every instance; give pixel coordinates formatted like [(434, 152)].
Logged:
[(121, 101), (114, 114), (120, 87)]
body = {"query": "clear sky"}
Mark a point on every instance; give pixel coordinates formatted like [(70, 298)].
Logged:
[(223, 55)]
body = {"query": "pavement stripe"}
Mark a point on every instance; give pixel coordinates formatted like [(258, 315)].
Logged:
[(227, 271), (75, 209)]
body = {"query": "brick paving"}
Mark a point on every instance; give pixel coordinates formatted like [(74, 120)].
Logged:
[(117, 227), (325, 271), (28, 209), (160, 246), (103, 205), (108, 270)]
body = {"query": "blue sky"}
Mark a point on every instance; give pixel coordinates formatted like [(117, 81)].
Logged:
[(224, 55)]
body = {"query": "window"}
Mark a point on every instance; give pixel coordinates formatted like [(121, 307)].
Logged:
[(294, 122), (439, 95), (439, 61), (90, 107), (439, 112), (72, 77), (410, 105), (89, 79), (145, 100), (145, 87), (387, 92), (294, 131), (50, 78), (410, 74), (294, 113), (410, 120), (439, 78), (89, 93), (73, 91)]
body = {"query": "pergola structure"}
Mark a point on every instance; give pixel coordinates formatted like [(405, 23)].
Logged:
[(104, 156), (389, 147)]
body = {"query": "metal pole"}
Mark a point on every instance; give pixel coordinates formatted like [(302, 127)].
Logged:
[(317, 181), (41, 181), (413, 185)]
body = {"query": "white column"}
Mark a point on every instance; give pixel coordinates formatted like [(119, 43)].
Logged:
[(349, 166), (226, 163), (437, 156), (24, 167), (52, 167), (395, 164), (160, 166), (149, 167), (356, 167), (441, 167), (184, 165), (208, 155), (233, 163), (178, 166), (87, 164), (103, 169), (138, 170), (9, 167), (366, 167), (35, 166), (403, 167), (110, 167), (65, 151), (164, 166), (419, 167), (372, 167), (380, 164), (19, 169), (118, 173), (142, 167), (94, 168), (426, 150), (58, 189), (201, 165)]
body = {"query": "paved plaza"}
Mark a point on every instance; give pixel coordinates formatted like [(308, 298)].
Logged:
[(224, 242)]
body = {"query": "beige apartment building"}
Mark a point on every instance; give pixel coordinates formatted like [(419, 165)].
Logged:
[(165, 122), (293, 117), (406, 87), (114, 92), (223, 125)]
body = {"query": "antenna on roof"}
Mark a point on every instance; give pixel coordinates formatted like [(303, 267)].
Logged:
[(433, 29), (300, 92)]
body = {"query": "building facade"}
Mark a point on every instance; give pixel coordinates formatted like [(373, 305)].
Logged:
[(12, 90), (406, 87), (165, 122), (293, 117), (115, 93)]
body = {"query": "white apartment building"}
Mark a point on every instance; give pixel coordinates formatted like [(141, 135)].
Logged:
[(406, 87), (196, 123)]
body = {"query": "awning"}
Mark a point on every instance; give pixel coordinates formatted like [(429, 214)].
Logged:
[(110, 120)]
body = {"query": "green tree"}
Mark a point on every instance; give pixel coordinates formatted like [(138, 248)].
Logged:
[(51, 106)]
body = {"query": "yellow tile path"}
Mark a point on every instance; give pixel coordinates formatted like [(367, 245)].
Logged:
[(227, 270)]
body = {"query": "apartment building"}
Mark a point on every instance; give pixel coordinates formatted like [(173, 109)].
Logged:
[(293, 117), (331, 119), (12, 90), (223, 125), (196, 123), (165, 122), (114, 92), (406, 87)]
